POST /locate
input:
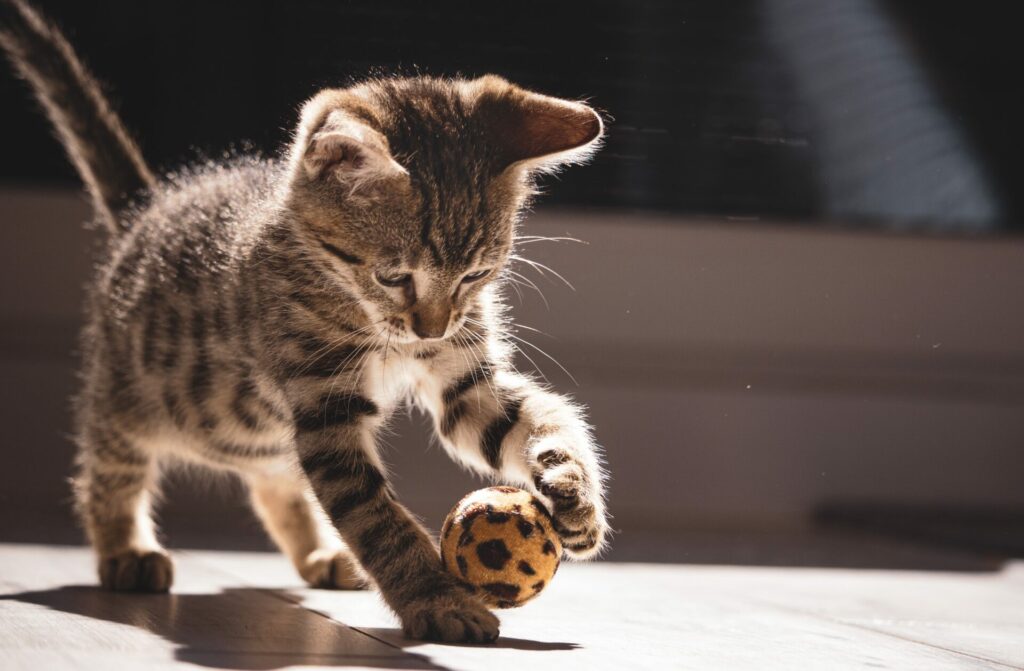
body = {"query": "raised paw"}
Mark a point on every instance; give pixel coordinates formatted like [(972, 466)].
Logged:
[(332, 569), (137, 571), (452, 618), (576, 505)]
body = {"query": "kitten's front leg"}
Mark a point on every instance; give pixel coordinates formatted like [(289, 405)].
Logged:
[(561, 457), (524, 432), (334, 436)]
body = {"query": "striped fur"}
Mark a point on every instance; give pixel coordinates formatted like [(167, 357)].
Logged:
[(267, 317)]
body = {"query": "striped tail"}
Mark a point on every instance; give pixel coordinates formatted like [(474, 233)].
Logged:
[(97, 144)]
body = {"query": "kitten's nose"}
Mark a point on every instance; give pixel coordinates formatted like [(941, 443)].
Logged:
[(430, 324)]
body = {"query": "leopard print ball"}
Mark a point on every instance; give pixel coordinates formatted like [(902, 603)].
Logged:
[(500, 541)]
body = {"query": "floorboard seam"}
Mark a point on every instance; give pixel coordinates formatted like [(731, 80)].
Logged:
[(411, 656), (906, 639), (960, 653), (298, 602)]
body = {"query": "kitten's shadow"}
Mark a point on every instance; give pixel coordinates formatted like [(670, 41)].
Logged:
[(394, 636), (239, 628)]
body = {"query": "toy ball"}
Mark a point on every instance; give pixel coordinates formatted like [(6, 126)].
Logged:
[(500, 541)]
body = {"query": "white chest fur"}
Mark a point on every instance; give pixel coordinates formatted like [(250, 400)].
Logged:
[(395, 378)]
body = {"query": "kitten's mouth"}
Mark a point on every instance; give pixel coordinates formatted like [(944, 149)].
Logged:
[(396, 333)]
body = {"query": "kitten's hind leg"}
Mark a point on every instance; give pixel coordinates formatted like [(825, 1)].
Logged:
[(297, 524), (113, 489)]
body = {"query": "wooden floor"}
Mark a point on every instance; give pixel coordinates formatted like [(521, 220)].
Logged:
[(237, 610)]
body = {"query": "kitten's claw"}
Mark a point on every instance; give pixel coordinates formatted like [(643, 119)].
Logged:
[(451, 618), (332, 569), (137, 571)]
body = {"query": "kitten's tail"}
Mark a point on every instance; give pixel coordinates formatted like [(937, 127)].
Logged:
[(99, 146)]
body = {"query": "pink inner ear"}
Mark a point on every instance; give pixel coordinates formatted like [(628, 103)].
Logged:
[(333, 150), (532, 126)]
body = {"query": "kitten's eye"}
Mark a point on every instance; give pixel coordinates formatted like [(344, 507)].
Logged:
[(393, 279), (476, 276)]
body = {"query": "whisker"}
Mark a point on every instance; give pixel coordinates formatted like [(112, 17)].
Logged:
[(514, 324), (327, 349), (540, 371), (530, 284), (479, 356), (472, 366), (361, 348), (527, 239), (540, 268), (553, 359), (529, 328), (515, 286), (387, 348)]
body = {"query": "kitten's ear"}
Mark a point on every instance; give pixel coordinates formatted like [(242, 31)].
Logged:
[(347, 150), (535, 130)]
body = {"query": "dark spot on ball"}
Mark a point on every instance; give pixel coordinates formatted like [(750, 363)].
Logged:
[(495, 517), (493, 554), (525, 528), (505, 489), (504, 603), (470, 514), (524, 567), (539, 506), (538, 586), (549, 547), (502, 590), (463, 565), (466, 538)]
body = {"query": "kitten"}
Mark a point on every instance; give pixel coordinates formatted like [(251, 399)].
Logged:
[(267, 317)]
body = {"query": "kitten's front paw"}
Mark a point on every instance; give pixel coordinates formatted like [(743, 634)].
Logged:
[(450, 618), (576, 505), (332, 569), (137, 571)]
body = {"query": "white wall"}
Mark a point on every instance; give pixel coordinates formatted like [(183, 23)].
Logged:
[(739, 374)]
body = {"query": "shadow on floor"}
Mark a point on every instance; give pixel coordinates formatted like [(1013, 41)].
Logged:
[(243, 628), (251, 629), (394, 636)]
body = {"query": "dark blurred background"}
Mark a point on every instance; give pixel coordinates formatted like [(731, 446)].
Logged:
[(891, 112), (797, 315)]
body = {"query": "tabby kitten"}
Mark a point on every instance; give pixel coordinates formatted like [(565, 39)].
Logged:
[(267, 317)]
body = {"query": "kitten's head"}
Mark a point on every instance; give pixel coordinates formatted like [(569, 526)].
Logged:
[(409, 190)]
